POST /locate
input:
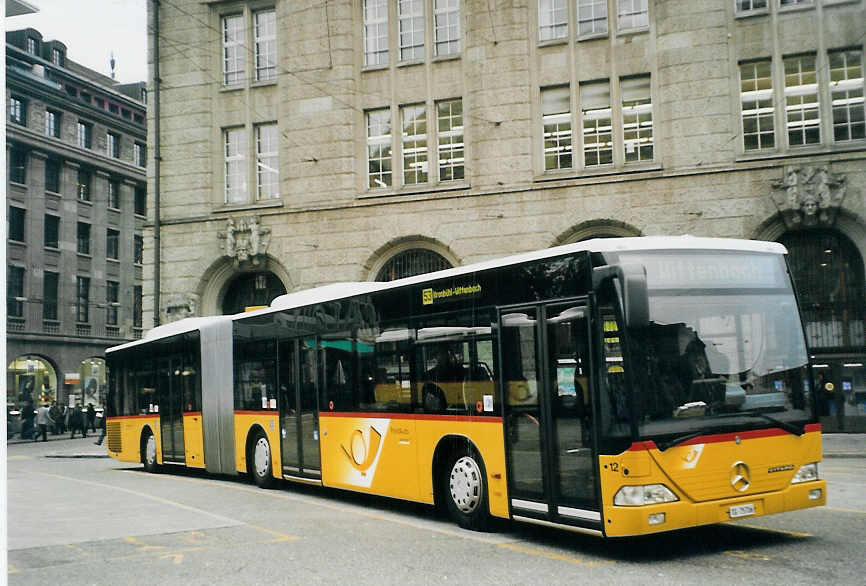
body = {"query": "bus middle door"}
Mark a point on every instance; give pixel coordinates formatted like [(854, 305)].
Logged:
[(546, 377)]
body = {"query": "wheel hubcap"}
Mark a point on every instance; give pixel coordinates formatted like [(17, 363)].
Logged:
[(150, 450), (465, 484), (262, 456)]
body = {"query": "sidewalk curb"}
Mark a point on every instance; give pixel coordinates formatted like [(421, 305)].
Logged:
[(845, 455), (75, 456)]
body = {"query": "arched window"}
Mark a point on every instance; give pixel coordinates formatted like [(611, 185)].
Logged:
[(409, 263), (828, 275), (30, 378), (252, 289)]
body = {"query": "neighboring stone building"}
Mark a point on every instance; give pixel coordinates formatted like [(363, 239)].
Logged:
[(76, 203), (304, 143)]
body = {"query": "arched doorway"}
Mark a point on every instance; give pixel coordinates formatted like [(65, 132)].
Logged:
[(251, 290), (411, 262), (828, 273), (30, 378)]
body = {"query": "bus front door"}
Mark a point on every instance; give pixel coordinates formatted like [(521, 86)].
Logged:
[(299, 432), (547, 416)]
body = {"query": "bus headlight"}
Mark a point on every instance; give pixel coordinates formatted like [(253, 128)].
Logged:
[(806, 473), (647, 494)]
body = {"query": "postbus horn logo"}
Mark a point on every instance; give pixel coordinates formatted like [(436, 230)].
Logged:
[(361, 453)]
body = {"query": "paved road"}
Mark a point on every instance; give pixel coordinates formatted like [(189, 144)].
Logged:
[(92, 520)]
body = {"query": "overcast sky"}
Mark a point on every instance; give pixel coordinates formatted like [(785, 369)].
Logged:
[(92, 30)]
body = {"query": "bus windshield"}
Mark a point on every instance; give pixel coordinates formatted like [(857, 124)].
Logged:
[(724, 350)]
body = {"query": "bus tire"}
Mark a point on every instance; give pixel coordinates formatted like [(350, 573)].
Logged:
[(465, 490), (259, 461), (148, 451)]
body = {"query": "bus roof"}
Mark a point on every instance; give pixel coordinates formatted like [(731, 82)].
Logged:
[(337, 291)]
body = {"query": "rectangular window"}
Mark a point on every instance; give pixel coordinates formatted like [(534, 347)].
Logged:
[(556, 122), (112, 244), (446, 27), (15, 291), (84, 179), (112, 107), (637, 119), (749, 5), (552, 19), (801, 101), (114, 195), (414, 143), (17, 165), (379, 148), (99, 103), (266, 44), (17, 224), (57, 57), (83, 238), (52, 231), (136, 306), (591, 17), (52, 124), (235, 165), (449, 121), (52, 175), (82, 306), (756, 103), (846, 94), (17, 110), (140, 154), (595, 112), (85, 131), (410, 15), (112, 297), (140, 200), (632, 14), (50, 289), (32, 46), (234, 55), (112, 145), (137, 249), (375, 32), (267, 162), (793, 2)]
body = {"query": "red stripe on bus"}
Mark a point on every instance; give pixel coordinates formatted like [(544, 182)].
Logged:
[(148, 416), (414, 416), (192, 413), (725, 437), (262, 412)]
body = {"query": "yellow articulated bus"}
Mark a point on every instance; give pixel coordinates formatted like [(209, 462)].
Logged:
[(614, 387)]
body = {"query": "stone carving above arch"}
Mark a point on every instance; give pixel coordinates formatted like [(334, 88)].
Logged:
[(809, 196), (596, 229), (245, 240)]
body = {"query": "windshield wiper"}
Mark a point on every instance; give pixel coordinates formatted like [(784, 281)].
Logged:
[(678, 440), (789, 427)]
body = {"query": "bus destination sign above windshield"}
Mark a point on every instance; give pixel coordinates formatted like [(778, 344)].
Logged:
[(432, 296), (711, 271)]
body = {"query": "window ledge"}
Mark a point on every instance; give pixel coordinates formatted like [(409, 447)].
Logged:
[(810, 151), (410, 63), (86, 202), (52, 248), (264, 83), (592, 37), (573, 174), (449, 57), (377, 67), (751, 13), (85, 255), (416, 190), (796, 8), (630, 32), (53, 193), (17, 184), (553, 42), (233, 87), (271, 203), (113, 260), (20, 243)]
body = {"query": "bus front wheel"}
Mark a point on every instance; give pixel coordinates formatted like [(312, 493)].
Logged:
[(148, 452), (465, 490), (259, 461)]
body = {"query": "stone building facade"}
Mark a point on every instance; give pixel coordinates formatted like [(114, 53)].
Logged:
[(76, 203), (305, 143)]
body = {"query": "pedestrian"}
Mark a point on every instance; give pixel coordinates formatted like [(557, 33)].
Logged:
[(101, 437), (76, 422), (91, 418), (54, 412), (43, 420), (27, 416), (63, 418)]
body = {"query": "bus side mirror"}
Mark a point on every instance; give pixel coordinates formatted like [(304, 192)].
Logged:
[(631, 289)]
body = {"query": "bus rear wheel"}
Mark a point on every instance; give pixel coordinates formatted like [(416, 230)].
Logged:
[(259, 461), (465, 490), (148, 452)]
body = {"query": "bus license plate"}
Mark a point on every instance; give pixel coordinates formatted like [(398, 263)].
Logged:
[(742, 510)]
